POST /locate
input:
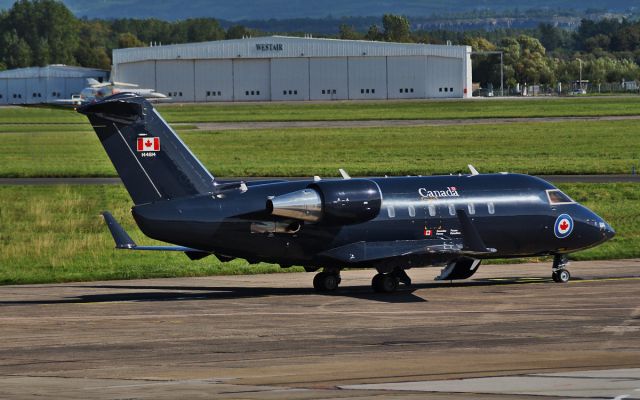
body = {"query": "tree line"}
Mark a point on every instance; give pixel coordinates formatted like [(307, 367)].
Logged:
[(41, 32)]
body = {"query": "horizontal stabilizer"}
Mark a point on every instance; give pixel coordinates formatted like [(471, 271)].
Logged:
[(121, 237), (124, 241)]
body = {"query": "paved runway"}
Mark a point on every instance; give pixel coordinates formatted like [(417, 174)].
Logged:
[(508, 333)]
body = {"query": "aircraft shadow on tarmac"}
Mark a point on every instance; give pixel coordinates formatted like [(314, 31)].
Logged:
[(184, 293)]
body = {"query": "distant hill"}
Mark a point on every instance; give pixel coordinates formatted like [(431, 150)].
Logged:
[(235, 10)]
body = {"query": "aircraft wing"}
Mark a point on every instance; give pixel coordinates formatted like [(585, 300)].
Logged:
[(124, 241), (369, 251), (470, 244)]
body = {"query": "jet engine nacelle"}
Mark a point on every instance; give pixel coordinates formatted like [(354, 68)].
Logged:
[(349, 201)]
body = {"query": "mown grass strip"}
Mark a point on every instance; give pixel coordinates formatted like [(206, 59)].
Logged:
[(595, 147), (353, 110), (420, 109), (55, 234)]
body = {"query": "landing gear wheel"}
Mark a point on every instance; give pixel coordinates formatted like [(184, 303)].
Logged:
[(561, 276), (384, 283), (326, 282)]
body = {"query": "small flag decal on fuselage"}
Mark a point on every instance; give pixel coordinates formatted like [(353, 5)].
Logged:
[(148, 144)]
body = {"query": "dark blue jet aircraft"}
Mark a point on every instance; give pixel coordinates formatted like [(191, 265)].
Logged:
[(390, 224)]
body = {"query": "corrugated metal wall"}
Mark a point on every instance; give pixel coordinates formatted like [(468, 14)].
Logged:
[(302, 78), (142, 73), (44, 84)]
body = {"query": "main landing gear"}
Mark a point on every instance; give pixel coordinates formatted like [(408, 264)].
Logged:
[(559, 272), (327, 281), (387, 283)]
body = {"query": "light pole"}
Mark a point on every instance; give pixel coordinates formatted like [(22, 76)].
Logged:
[(580, 62)]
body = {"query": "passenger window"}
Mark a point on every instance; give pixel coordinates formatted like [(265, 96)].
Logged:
[(452, 210), (472, 208), (391, 211), (557, 197), (432, 210), (491, 208), (412, 211)]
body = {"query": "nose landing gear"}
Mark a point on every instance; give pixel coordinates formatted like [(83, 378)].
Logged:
[(559, 272)]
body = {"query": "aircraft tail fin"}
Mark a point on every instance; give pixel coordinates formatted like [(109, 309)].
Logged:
[(152, 161)]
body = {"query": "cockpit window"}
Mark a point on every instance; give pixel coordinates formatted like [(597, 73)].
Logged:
[(557, 197)]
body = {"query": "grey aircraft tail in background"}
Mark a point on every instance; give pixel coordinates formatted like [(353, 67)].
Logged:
[(390, 224)]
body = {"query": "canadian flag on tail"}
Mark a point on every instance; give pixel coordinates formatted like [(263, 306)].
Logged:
[(148, 144)]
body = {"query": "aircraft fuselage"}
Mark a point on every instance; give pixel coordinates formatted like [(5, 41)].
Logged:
[(513, 213)]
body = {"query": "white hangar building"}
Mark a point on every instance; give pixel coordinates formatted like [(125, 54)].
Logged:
[(36, 85), (288, 68)]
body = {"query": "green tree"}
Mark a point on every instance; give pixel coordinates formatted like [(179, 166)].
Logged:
[(48, 29), (526, 62), (347, 32), (374, 33), (203, 30), (396, 28), (128, 39), (237, 32), (16, 53)]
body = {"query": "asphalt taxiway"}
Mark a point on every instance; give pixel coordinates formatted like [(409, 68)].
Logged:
[(508, 333)]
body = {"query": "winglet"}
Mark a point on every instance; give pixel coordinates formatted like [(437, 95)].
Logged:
[(120, 236), (470, 236), (473, 170)]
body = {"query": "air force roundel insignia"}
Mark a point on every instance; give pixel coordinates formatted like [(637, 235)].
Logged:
[(563, 226)]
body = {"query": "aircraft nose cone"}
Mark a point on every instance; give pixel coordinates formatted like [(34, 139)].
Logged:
[(609, 232)]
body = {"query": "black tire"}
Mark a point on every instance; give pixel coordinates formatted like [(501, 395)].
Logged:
[(561, 276), (564, 276), (317, 281), (384, 283), (326, 282)]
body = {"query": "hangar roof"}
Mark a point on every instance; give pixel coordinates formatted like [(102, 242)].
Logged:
[(52, 71), (283, 46)]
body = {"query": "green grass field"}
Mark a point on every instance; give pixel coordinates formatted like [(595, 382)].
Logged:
[(354, 110), (596, 147), (421, 109), (55, 234)]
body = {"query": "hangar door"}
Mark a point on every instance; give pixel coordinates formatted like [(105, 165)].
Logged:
[(17, 89), (4, 91), (141, 73), (214, 80), (175, 78), (367, 77), (329, 78), (251, 80), (407, 77), (290, 79), (445, 77), (36, 90)]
